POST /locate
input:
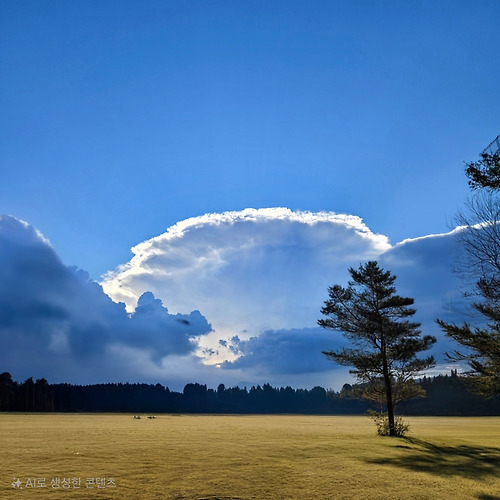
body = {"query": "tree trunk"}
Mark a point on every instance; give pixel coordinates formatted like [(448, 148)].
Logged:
[(390, 410), (388, 394)]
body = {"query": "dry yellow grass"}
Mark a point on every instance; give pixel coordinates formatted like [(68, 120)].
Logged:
[(250, 457)]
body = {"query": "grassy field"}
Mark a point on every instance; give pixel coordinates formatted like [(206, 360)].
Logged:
[(247, 457)]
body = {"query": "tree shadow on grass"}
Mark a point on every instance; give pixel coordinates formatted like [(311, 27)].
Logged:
[(473, 462)]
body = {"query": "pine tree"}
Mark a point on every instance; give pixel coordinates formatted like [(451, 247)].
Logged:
[(482, 348), (370, 314), (480, 242), (484, 173)]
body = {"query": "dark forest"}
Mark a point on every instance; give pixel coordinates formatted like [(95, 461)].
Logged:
[(445, 395)]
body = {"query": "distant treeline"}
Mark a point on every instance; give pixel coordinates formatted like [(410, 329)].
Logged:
[(446, 395)]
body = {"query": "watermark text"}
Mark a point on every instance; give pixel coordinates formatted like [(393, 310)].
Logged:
[(63, 483)]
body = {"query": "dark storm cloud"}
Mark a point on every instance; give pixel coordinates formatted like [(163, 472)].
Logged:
[(292, 351), (55, 321)]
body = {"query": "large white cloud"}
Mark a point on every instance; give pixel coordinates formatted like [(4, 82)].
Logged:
[(247, 271)]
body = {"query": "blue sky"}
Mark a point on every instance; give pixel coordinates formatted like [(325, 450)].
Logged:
[(120, 120)]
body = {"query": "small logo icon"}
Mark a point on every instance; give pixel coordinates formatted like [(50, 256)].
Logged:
[(17, 484)]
